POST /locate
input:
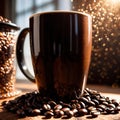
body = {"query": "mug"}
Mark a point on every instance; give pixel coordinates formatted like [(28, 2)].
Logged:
[(60, 43)]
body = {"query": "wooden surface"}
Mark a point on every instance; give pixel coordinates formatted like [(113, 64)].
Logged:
[(26, 86)]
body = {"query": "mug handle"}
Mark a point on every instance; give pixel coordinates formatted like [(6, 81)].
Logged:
[(20, 54)]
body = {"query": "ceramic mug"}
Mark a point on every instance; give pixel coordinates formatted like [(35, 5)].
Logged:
[(60, 43)]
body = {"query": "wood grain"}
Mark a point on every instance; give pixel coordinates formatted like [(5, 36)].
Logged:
[(26, 86)]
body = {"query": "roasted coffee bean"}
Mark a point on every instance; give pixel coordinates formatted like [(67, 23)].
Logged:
[(91, 103), (32, 104), (99, 109), (46, 107), (108, 100), (83, 99), (91, 108), (52, 103), (101, 100), (105, 103), (109, 110), (69, 113), (65, 109), (74, 101), (103, 107), (58, 107), (75, 111), (95, 101), (48, 114), (79, 105), (58, 113), (82, 111), (111, 105), (7, 57), (82, 104), (75, 106), (36, 112), (88, 97), (118, 108), (115, 102), (66, 105), (95, 113)]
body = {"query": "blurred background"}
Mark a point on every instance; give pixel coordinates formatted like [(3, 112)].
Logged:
[(105, 62)]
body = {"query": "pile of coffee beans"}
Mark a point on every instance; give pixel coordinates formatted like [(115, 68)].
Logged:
[(7, 57), (90, 103)]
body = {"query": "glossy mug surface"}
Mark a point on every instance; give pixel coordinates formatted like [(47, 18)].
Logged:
[(60, 43)]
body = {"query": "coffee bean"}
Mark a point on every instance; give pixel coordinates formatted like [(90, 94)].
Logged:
[(46, 107), (101, 100), (66, 105), (7, 57), (91, 103), (32, 104), (35, 112), (74, 101), (82, 111), (52, 103), (48, 114), (91, 108), (82, 104), (105, 103), (111, 105), (95, 101), (58, 113), (58, 107), (75, 112), (99, 109), (83, 99), (89, 98), (118, 108), (65, 109), (103, 107), (95, 113), (69, 113), (109, 110), (115, 102)]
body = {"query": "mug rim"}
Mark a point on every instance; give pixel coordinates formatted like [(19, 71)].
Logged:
[(60, 11)]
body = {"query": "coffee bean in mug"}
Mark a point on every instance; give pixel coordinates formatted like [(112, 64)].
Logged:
[(60, 43)]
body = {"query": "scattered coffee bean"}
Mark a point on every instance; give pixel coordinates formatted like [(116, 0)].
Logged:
[(69, 113), (58, 113), (83, 99), (95, 113), (48, 114), (58, 107), (46, 107), (96, 102), (52, 104), (82, 111), (35, 112), (82, 104), (75, 112), (65, 110), (111, 105), (33, 104)]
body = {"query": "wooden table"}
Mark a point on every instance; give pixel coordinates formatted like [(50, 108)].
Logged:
[(26, 86)]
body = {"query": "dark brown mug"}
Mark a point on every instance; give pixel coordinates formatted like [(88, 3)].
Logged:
[(60, 43)]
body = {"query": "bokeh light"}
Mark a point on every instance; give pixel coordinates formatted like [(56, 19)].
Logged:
[(105, 62)]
